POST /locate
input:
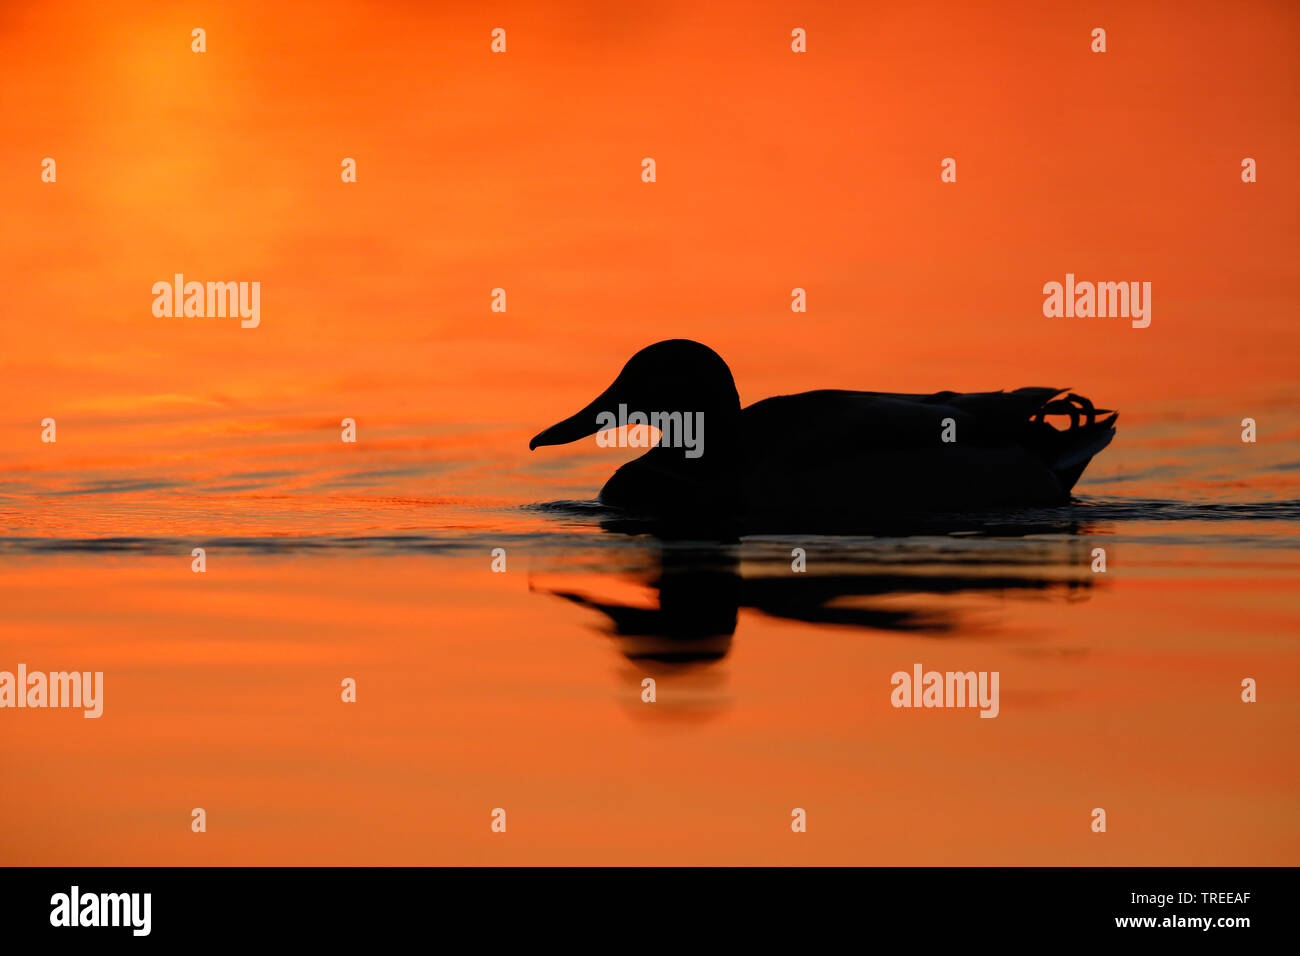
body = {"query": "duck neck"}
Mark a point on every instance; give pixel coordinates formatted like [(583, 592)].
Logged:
[(706, 443)]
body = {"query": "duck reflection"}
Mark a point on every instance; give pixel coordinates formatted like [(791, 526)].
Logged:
[(895, 584), (700, 594)]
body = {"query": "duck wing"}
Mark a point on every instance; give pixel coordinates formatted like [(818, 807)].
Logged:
[(885, 451)]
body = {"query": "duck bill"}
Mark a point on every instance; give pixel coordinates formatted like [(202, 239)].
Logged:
[(584, 423)]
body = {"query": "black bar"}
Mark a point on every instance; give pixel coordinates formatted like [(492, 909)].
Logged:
[(330, 905)]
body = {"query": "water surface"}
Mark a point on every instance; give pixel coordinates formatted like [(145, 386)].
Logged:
[(522, 690)]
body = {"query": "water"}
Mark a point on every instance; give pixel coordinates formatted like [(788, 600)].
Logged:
[(522, 690)]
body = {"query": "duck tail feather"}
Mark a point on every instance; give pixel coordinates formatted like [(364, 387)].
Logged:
[(1067, 451), (1088, 442)]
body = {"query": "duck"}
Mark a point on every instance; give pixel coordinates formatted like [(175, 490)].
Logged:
[(826, 459)]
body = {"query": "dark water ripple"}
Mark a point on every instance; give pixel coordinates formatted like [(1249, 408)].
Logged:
[(568, 526)]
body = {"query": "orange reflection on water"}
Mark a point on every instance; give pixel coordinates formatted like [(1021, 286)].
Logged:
[(479, 690)]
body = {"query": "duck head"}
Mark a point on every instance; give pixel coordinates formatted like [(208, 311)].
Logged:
[(673, 376)]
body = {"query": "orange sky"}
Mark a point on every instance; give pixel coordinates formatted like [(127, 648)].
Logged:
[(521, 170)]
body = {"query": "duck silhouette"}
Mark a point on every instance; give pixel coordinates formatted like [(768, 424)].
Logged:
[(826, 460)]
